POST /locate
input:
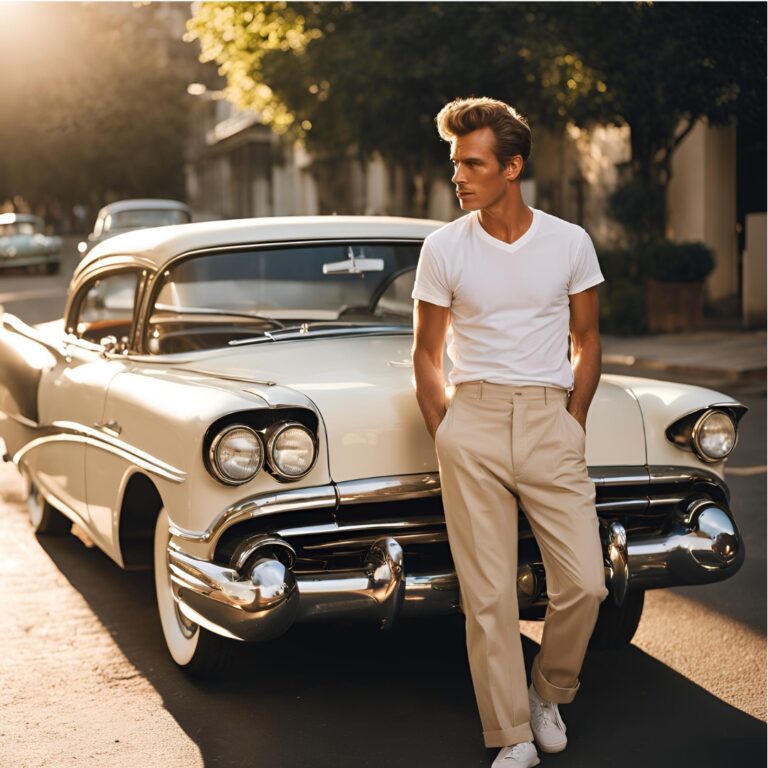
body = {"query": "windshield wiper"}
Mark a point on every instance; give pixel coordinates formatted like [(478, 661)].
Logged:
[(218, 312), (336, 329)]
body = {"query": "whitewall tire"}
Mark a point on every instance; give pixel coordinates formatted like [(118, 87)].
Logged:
[(195, 649), (46, 520)]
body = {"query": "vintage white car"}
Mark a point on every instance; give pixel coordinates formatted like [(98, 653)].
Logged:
[(232, 404)]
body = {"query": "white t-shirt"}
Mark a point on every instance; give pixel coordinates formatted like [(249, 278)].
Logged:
[(510, 311)]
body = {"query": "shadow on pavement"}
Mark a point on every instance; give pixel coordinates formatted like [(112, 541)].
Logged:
[(328, 696)]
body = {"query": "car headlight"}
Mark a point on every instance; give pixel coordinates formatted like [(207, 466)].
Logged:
[(236, 454), (714, 435), (291, 450)]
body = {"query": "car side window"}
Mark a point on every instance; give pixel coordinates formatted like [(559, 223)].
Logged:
[(106, 308)]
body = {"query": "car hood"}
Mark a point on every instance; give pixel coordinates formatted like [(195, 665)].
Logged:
[(363, 389)]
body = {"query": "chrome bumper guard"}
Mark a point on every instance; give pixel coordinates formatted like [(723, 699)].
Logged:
[(259, 596)]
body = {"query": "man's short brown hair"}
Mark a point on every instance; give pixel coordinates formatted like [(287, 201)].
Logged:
[(462, 116)]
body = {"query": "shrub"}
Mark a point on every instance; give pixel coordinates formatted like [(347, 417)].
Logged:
[(676, 262), (638, 205)]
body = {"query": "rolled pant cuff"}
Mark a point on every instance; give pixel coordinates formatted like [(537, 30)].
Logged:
[(551, 692), (506, 736)]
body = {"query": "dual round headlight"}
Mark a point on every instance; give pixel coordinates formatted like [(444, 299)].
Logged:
[(291, 450), (714, 435), (237, 453)]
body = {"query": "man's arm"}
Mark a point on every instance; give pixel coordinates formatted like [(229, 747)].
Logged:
[(586, 352), (430, 327)]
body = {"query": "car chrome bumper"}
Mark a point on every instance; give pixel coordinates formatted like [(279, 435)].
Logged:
[(259, 596)]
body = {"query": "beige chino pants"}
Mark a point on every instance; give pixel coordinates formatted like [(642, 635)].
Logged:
[(496, 445)]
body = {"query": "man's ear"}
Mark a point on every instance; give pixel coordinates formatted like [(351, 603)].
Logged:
[(514, 168)]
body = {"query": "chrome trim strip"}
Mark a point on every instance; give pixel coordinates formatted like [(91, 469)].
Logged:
[(71, 431), (619, 475), (372, 330), (122, 448), (400, 487), (318, 497), (677, 474), (659, 501), (225, 376), (130, 457), (313, 530), (404, 487), (23, 420), (622, 505), (420, 537)]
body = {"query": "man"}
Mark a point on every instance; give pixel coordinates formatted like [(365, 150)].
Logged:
[(510, 280)]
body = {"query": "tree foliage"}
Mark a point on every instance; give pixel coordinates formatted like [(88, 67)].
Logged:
[(371, 76), (91, 106), (666, 66)]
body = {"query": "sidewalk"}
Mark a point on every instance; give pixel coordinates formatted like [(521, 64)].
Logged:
[(727, 356)]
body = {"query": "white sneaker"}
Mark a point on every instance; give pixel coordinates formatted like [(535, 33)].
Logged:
[(547, 725), (522, 755)]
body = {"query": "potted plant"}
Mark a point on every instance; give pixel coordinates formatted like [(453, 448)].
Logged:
[(674, 276)]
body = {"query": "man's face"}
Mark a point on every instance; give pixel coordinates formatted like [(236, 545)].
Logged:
[(479, 180)]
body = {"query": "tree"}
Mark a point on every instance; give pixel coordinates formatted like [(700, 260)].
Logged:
[(666, 66), (372, 75), (365, 77), (91, 107)]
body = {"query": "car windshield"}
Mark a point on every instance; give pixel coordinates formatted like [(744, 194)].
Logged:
[(272, 294), (145, 217), (17, 228)]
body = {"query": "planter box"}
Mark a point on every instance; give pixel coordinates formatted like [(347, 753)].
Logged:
[(674, 307)]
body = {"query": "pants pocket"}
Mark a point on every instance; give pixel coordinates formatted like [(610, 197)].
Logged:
[(570, 417)]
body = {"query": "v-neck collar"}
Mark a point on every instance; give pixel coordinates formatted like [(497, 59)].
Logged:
[(508, 247)]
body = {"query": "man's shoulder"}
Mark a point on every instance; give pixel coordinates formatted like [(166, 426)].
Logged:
[(566, 231), (449, 234), (554, 225)]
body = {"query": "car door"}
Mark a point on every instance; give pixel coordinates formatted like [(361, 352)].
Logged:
[(71, 396)]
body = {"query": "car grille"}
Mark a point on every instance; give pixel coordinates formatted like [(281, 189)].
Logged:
[(645, 502)]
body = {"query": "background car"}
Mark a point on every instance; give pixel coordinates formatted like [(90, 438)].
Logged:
[(23, 243), (126, 215), (231, 404)]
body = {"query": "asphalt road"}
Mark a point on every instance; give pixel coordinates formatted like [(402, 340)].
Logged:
[(85, 679)]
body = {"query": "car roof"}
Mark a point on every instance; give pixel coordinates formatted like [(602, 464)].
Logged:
[(11, 218), (141, 204), (158, 245)]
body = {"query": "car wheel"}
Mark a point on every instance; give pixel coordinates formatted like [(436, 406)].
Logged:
[(615, 626), (195, 649), (46, 519)]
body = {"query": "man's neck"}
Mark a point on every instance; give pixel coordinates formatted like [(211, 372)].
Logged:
[(507, 220)]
